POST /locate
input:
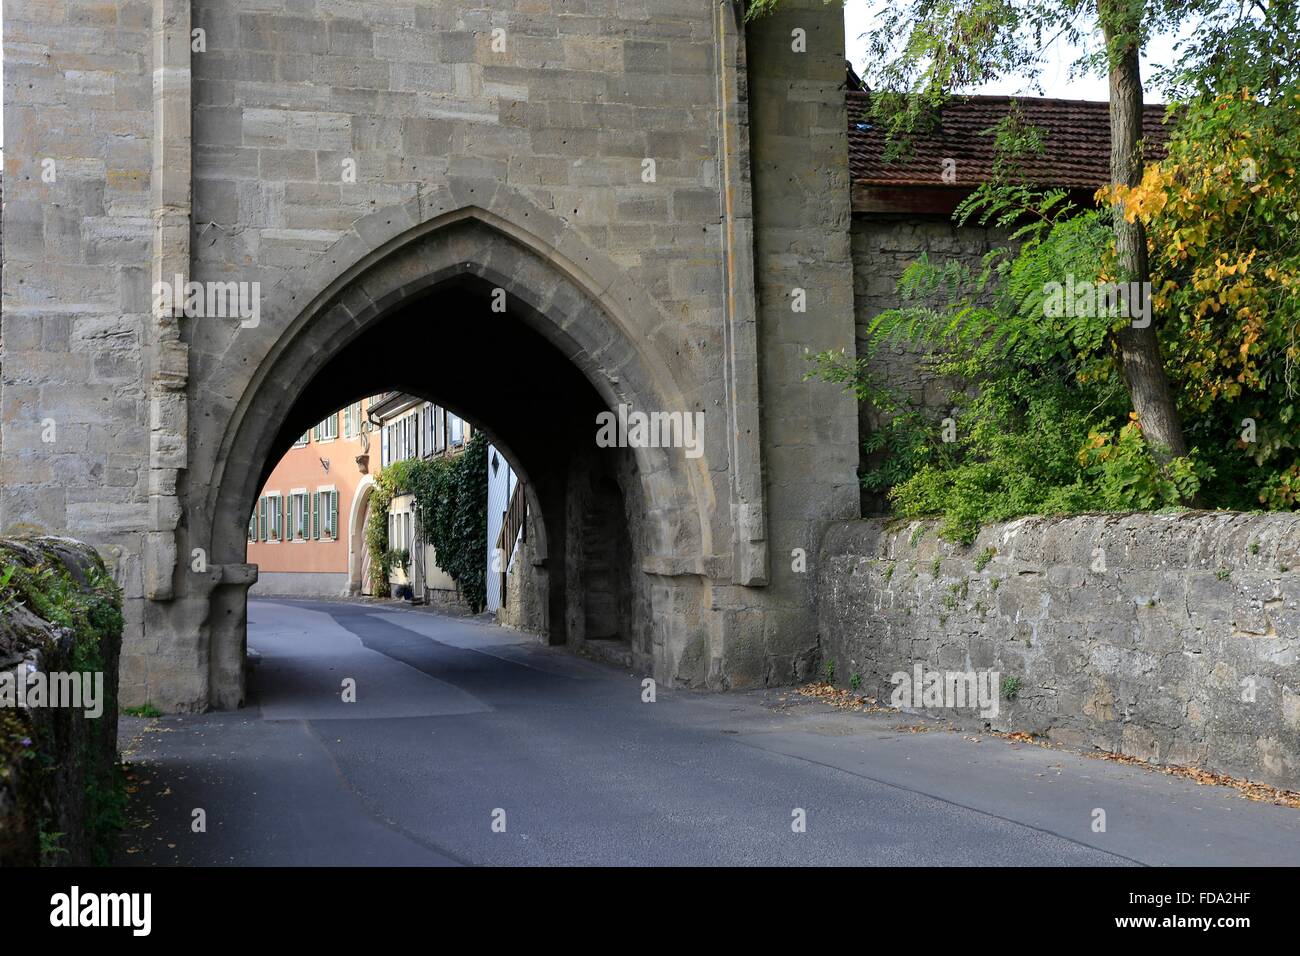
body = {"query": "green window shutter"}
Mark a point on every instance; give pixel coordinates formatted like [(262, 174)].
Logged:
[(279, 517), (334, 515), (315, 516), (261, 515)]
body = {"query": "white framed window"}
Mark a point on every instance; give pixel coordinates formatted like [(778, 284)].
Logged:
[(439, 429), (274, 517), (252, 525), (302, 442), (327, 430), (456, 429), (352, 420), (325, 522), (298, 517)]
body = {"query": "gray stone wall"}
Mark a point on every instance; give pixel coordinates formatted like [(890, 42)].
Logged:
[(524, 608), (1170, 637), (883, 247), (801, 241), (233, 164), (74, 409)]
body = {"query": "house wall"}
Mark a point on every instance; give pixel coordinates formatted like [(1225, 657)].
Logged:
[(311, 567), (501, 485), (434, 431)]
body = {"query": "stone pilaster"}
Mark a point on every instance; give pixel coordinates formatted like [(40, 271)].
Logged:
[(168, 355), (748, 517)]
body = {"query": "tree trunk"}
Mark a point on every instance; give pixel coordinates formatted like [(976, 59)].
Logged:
[(1139, 349)]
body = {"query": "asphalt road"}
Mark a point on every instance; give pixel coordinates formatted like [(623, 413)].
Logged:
[(459, 727)]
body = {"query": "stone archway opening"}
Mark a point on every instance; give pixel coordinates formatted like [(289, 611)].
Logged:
[(359, 580), (474, 322)]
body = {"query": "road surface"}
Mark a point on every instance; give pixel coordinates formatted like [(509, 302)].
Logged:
[(470, 744)]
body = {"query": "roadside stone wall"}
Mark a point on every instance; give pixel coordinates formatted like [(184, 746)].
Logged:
[(1170, 637), (60, 797), (523, 609)]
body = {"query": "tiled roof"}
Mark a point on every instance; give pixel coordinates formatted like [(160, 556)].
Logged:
[(1076, 143)]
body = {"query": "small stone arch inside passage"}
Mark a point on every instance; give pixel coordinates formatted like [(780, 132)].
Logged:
[(358, 554), (478, 323)]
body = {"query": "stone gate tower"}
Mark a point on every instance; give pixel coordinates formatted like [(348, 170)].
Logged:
[(660, 192)]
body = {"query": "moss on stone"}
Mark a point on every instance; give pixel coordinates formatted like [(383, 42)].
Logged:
[(60, 606)]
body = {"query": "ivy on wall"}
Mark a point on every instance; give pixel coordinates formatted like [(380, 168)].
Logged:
[(451, 508)]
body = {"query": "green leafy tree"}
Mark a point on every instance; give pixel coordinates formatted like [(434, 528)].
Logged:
[(1044, 426), (927, 49)]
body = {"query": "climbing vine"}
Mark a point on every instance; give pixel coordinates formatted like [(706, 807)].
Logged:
[(451, 508)]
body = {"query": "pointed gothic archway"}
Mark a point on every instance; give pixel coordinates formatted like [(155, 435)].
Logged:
[(419, 315)]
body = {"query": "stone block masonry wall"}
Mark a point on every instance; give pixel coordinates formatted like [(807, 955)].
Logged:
[(1170, 637), (883, 247), (321, 124), (303, 145), (74, 401), (801, 242)]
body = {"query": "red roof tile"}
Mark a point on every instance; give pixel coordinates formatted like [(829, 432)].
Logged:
[(1076, 143)]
